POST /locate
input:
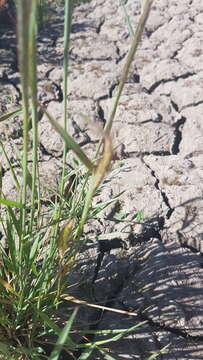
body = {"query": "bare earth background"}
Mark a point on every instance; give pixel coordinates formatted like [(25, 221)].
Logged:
[(156, 269)]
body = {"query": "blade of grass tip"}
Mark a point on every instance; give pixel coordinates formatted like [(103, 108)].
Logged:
[(135, 42), (63, 337), (127, 19), (33, 91)]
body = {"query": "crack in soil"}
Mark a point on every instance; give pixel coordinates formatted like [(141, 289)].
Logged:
[(101, 23), (175, 148), (175, 106), (163, 194), (194, 104), (128, 155), (154, 86), (175, 331)]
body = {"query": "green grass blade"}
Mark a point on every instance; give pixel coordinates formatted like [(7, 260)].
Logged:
[(24, 8), (117, 337), (16, 182), (50, 323), (158, 353), (127, 19), (11, 114), (67, 30), (104, 353), (11, 203), (87, 353), (130, 57), (63, 337), (33, 92), (34, 248), (10, 235), (135, 42)]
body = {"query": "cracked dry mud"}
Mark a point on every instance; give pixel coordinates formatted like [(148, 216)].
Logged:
[(156, 269)]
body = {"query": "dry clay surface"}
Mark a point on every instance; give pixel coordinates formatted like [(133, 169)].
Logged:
[(156, 269)]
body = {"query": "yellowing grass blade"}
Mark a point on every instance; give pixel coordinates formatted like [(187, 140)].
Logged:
[(65, 237), (7, 286)]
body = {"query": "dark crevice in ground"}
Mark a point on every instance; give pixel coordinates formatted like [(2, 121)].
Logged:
[(119, 56), (177, 135), (184, 244), (48, 72), (111, 89), (81, 60), (127, 155), (5, 80), (101, 23), (175, 331), (154, 86), (45, 152), (175, 106), (200, 102), (163, 194), (100, 114), (110, 93), (97, 315)]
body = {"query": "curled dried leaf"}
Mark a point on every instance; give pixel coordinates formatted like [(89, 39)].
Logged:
[(65, 238), (105, 161)]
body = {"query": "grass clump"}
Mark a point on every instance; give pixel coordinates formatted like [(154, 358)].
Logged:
[(36, 258)]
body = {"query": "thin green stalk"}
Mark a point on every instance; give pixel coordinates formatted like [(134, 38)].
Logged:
[(23, 15), (127, 19), (67, 28), (137, 37), (33, 91), (135, 42), (24, 8)]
